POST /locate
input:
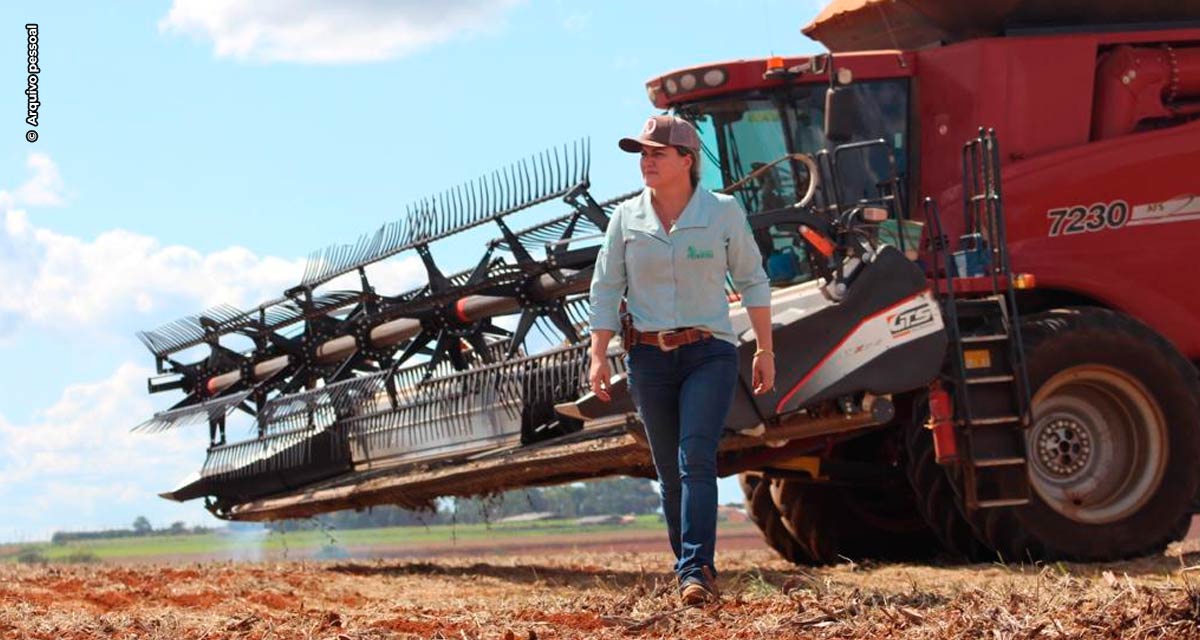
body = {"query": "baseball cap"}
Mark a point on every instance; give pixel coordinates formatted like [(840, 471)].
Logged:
[(663, 131)]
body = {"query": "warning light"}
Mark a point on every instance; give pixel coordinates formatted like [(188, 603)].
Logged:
[(1024, 281), (774, 63), (818, 241)]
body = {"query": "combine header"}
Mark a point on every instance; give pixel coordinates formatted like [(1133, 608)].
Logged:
[(413, 376)]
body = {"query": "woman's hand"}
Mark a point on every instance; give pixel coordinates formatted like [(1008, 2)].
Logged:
[(599, 375), (764, 373), (764, 359)]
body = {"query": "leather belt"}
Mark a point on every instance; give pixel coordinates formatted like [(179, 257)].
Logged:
[(671, 340)]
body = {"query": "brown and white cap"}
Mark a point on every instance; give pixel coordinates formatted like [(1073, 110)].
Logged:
[(663, 131)]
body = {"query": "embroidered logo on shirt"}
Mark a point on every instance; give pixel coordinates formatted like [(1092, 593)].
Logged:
[(702, 254)]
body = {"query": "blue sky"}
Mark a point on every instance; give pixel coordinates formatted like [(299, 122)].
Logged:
[(192, 153)]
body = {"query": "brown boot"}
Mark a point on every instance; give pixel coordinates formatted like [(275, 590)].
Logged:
[(697, 591), (695, 594), (710, 579)]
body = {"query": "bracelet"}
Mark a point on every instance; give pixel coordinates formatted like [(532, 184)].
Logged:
[(762, 351)]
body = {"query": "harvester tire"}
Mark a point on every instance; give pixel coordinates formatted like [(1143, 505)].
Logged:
[(1113, 446), (836, 523), (763, 513), (936, 496)]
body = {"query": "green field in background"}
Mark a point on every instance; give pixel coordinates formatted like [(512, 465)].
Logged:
[(305, 543)]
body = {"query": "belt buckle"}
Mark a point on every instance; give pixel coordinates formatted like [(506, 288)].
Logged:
[(663, 345)]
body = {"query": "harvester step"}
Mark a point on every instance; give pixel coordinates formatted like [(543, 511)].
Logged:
[(987, 337), (986, 422), (1008, 502), (986, 301), (990, 379), (1000, 462)]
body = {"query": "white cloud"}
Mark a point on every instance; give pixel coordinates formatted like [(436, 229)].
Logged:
[(43, 189), (125, 279), (76, 464), (62, 281), (328, 31), (86, 433)]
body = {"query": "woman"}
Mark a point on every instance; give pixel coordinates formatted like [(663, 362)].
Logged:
[(667, 252)]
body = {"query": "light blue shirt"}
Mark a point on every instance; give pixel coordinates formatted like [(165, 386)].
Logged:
[(677, 279)]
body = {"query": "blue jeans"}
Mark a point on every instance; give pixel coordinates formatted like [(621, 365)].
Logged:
[(683, 397)]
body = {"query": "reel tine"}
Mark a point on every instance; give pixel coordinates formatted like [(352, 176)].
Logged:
[(572, 163), (502, 183), (510, 184), (453, 212), (191, 414), (429, 219), (410, 224), (177, 334), (530, 180), (419, 221), (558, 170), (438, 211), (474, 196), (576, 174), (587, 161), (490, 196), (456, 200), (526, 184), (544, 172), (414, 223), (433, 223)]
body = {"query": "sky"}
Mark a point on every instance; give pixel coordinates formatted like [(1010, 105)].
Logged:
[(192, 153)]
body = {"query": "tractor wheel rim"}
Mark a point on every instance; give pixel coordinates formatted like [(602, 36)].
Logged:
[(1098, 445)]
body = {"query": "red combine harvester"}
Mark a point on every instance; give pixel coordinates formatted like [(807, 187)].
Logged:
[(1096, 104), (1017, 378)]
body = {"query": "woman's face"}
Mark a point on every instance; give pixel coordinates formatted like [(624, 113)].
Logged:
[(665, 166)]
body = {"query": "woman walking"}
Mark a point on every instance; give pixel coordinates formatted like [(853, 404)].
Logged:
[(667, 252)]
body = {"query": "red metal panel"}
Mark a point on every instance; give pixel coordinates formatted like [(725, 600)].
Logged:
[(747, 75), (1036, 93)]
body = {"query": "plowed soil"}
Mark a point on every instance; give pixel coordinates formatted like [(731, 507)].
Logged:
[(562, 593)]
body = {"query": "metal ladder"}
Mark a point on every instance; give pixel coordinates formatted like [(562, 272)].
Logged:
[(992, 415), (987, 362)]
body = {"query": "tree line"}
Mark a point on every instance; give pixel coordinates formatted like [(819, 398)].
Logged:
[(612, 496), (141, 527)]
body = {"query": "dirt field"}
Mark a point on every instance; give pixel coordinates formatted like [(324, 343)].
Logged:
[(581, 592)]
